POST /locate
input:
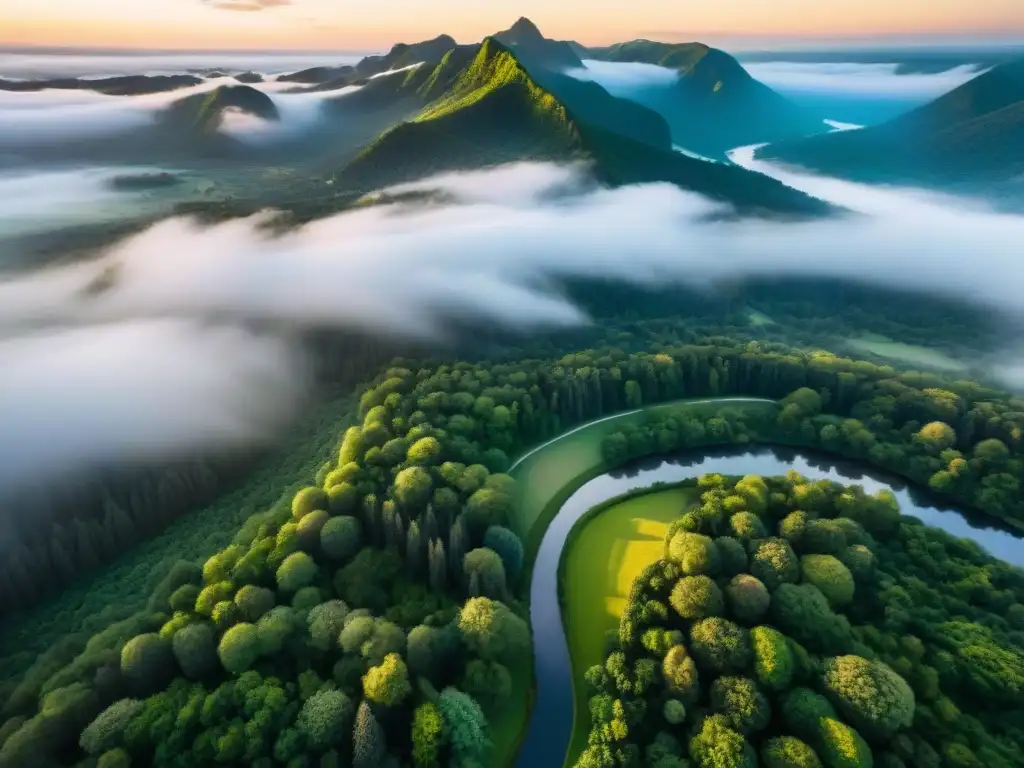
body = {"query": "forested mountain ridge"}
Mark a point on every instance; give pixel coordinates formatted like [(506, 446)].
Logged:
[(973, 134), (491, 108), (715, 105)]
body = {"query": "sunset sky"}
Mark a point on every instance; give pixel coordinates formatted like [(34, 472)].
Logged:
[(362, 26)]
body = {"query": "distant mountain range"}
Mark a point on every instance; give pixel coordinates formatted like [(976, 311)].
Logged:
[(972, 135), (715, 105)]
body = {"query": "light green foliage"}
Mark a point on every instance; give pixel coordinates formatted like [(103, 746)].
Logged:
[(739, 700), (308, 530), (239, 648), (717, 745), (195, 649), (775, 563), (175, 623), (936, 436), (225, 614), (324, 719), (830, 576), (424, 451), (342, 498), (212, 594), (428, 736), (788, 752), (413, 487), (748, 598), (325, 622), (387, 683), (697, 597), (720, 646), (674, 712), (695, 554), (490, 630), (773, 658), (147, 662), (746, 526), (869, 694), (297, 570), (680, 674), (372, 638), (841, 746), (115, 758), (793, 528), (307, 500), (106, 730), (183, 599), (253, 602)]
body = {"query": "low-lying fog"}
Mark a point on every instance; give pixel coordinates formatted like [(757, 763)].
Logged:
[(144, 347)]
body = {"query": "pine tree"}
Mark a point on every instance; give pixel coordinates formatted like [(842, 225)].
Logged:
[(438, 566), (371, 514), (398, 533), (430, 528), (414, 550), (474, 590), (457, 548), (368, 747), (388, 516)]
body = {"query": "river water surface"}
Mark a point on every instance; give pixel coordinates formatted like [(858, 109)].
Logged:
[(550, 728)]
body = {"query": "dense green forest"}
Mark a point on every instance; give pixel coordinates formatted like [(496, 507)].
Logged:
[(797, 624), (403, 536)]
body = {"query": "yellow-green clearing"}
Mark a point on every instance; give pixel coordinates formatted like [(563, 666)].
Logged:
[(599, 566), (908, 354)]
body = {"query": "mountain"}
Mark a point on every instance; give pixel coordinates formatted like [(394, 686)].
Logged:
[(973, 135), (484, 108), (535, 50), (403, 55), (127, 85), (317, 75), (204, 112), (715, 105)]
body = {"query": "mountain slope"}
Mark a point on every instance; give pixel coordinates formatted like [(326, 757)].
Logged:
[(715, 105), (126, 85), (495, 111), (972, 135)]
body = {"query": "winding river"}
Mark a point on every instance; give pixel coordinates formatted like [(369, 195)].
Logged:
[(550, 728)]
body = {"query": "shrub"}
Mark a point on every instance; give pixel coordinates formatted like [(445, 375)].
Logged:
[(841, 746), (788, 752), (773, 658), (105, 731), (325, 622), (674, 712), (225, 614), (147, 662), (697, 597), (184, 598), (487, 567), (297, 570), (195, 649), (306, 599), (308, 500), (746, 526), (802, 612), (253, 602), (466, 727), (830, 576), (308, 530), (860, 561), (239, 648), (720, 646), (869, 694), (341, 537), (115, 758), (212, 594), (696, 554), (427, 735), (743, 705), (793, 527), (487, 681), (680, 674), (325, 719), (387, 684), (748, 598), (274, 628), (802, 708), (775, 563), (716, 745), (824, 537), (732, 556), (509, 549), (342, 498)]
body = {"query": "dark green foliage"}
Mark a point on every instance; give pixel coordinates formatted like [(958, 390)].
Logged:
[(830, 576), (239, 648), (492, 631), (253, 602), (324, 719), (325, 622), (802, 612), (488, 567), (195, 649), (368, 740), (466, 727), (802, 708), (147, 662), (105, 732), (748, 598), (788, 752), (744, 706), (509, 548), (732, 556)]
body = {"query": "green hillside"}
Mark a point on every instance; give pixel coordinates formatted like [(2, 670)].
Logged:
[(972, 135), (494, 111), (715, 105)]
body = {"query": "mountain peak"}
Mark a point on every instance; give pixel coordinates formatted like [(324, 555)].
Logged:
[(524, 28)]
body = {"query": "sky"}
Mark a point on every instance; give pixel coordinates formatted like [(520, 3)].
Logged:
[(334, 25)]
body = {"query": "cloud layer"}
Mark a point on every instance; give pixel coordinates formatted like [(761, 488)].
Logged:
[(625, 78), (856, 79), (246, 5), (161, 317)]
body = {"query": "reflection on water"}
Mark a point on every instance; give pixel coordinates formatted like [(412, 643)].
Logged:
[(551, 720)]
